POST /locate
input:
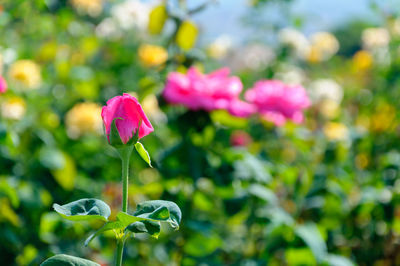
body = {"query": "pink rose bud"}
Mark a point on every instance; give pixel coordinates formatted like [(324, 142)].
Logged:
[(128, 117), (3, 85), (277, 102)]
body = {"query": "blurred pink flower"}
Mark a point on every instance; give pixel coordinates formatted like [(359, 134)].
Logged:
[(3, 85), (277, 102), (213, 91), (240, 138), (131, 113)]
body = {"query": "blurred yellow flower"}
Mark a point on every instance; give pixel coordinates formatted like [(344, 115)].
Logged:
[(82, 119), (336, 131), (362, 60), (383, 119), (152, 55), (13, 108), (27, 73), (90, 7), (323, 46)]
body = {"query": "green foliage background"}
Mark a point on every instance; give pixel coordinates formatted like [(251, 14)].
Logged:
[(290, 197)]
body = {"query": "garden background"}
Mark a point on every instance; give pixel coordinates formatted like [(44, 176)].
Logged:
[(322, 192)]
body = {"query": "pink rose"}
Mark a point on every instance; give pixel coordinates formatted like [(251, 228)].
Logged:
[(3, 85), (128, 114), (278, 102), (213, 91)]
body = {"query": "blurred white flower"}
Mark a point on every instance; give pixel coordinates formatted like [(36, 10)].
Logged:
[(9, 56), (373, 38), (326, 89), (295, 40), (13, 108), (254, 57), (291, 74), (108, 28), (220, 47), (131, 14)]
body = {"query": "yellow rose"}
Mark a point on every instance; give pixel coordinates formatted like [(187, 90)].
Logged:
[(13, 108), (82, 119), (26, 73), (152, 55), (362, 60), (336, 131)]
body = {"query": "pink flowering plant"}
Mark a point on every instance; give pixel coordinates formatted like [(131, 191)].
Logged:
[(208, 92), (278, 102), (3, 85), (125, 124)]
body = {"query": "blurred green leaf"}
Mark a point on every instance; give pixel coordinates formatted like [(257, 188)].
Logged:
[(312, 237), (336, 260), (157, 18), (200, 245), (66, 175), (299, 257), (187, 35)]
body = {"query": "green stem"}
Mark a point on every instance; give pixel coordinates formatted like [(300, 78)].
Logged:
[(125, 153), (120, 250)]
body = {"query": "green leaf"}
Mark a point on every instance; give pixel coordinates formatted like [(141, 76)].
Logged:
[(143, 153), (115, 138), (66, 260), (154, 210), (147, 226), (160, 210), (84, 210), (150, 213), (114, 225)]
